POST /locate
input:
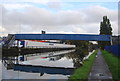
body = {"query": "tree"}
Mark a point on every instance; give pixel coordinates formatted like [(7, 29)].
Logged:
[(105, 29), (79, 43)]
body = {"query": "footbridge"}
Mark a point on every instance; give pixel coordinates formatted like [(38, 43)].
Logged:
[(88, 37)]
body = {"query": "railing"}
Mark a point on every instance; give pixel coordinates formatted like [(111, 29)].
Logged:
[(9, 40)]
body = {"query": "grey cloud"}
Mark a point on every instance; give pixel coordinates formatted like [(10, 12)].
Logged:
[(95, 14), (36, 19)]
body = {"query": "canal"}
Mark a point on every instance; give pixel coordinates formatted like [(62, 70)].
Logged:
[(49, 65)]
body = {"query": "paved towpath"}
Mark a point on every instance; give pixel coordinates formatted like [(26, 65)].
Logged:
[(100, 70)]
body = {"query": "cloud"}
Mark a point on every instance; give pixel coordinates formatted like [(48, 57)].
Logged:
[(45, 1), (54, 5), (34, 19), (23, 1), (94, 13), (10, 6), (2, 29), (115, 28)]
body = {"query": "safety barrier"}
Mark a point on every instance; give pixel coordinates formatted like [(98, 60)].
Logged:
[(115, 49)]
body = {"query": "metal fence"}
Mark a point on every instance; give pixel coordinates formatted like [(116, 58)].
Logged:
[(115, 49)]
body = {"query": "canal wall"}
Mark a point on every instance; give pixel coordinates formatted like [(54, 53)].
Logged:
[(25, 51)]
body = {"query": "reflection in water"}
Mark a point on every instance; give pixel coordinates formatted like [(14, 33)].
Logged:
[(62, 63), (9, 62), (77, 57), (44, 69)]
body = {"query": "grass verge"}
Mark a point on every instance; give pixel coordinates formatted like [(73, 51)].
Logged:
[(81, 74), (113, 64)]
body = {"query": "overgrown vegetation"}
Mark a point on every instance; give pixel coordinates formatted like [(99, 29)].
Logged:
[(81, 74), (80, 44), (113, 64)]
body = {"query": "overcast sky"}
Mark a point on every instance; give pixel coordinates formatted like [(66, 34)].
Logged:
[(56, 16)]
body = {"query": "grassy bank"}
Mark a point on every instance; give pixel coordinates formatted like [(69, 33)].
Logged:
[(81, 74), (113, 64)]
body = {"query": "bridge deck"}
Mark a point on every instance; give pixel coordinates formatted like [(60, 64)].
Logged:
[(62, 37)]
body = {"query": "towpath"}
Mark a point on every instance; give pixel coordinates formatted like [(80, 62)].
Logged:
[(100, 70)]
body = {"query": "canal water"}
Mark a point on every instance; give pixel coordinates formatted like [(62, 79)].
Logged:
[(50, 65)]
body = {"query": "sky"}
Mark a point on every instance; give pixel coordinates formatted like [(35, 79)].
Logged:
[(56, 16)]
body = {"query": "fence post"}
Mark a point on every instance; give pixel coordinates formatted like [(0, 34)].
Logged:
[(111, 40)]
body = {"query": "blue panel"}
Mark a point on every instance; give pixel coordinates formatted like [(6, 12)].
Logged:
[(62, 37), (115, 49)]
